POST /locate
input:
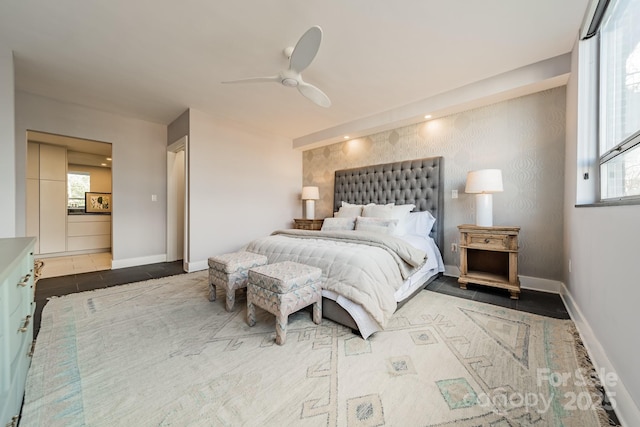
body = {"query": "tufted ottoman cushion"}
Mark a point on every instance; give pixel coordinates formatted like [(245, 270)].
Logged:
[(282, 289), (230, 272)]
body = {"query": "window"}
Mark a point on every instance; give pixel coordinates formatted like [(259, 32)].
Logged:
[(619, 110), (77, 184)]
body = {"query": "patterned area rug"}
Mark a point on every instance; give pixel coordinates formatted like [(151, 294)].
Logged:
[(158, 353)]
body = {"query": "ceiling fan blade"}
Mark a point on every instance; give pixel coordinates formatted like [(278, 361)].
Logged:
[(314, 94), (306, 49), (276, 79)]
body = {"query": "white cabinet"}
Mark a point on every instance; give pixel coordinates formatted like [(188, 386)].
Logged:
[(88, 232), (33, 192), (53, 216), (47, 197), (33, 210), (53, 162), (17, 307), (53, 199)]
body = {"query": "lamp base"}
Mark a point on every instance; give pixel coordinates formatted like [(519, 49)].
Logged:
[(484, 210), (309, 209)]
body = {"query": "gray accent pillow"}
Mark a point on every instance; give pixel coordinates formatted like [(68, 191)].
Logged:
[(376, 225), (333, 224)]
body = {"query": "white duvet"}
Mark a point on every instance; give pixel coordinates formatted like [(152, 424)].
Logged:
[(366, 268)]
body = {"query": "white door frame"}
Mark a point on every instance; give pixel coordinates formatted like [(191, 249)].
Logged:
[(181, 144)]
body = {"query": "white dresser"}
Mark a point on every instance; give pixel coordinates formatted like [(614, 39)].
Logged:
[(17, 307)]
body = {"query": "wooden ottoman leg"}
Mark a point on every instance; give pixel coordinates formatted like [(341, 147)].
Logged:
[(281, 328), (317, 312)]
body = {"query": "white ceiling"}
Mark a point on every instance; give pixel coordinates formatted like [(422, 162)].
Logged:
[(152, 59)]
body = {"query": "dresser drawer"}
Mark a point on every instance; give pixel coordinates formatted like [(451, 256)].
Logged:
[(20, 323), (18, 295), (16, 311), (308, 224), (488, 241)]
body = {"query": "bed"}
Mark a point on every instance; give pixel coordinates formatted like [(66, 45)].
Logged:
[(414, 182)]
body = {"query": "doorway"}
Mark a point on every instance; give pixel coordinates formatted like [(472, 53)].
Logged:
[(178, 202), (61, 172)]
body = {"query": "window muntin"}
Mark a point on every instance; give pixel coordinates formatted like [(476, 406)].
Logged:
[(620, 176)]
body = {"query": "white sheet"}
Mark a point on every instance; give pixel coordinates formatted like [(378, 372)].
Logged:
[(433, 266)]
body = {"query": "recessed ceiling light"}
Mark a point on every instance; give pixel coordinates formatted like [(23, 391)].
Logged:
[(103, 164), (109, 158), (428, 116), (346, 137)]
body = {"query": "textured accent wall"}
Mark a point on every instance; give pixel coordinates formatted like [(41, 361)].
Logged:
[(524, 137)]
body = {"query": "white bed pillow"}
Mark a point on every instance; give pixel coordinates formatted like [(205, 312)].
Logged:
[(400, 213), (377, 211), (376, 225), (349, 205), (419, 223), (348, 210), (342, 224)]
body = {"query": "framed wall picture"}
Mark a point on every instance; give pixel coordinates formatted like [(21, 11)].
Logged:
[(97, 202)]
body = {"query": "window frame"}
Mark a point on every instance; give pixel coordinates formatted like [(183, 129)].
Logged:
[(629, 143), (88, 174)]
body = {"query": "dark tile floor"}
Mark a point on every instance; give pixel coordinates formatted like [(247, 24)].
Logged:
[(536, 302)]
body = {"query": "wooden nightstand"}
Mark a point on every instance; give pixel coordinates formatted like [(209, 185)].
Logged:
[(489, 256), (307, 224)]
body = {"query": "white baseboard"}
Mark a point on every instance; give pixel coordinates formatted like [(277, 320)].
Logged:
[(540, 284), (133, 262), (526, 282), (451, 270), (626, 409), (190, 267), (196, 266)]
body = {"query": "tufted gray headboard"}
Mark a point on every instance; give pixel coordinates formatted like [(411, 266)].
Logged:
[(418, 181)]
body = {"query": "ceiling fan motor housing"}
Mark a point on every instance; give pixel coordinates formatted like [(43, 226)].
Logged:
[(289, 82)]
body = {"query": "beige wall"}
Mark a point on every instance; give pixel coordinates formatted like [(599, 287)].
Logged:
[(242, 185), (524, 137), (139, 154)]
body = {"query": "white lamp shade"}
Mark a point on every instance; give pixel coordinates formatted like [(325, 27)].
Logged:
[(310, 193), (484, 181)]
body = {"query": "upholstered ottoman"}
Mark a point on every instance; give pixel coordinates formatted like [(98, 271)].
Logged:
[(282, 289), (230, 272)]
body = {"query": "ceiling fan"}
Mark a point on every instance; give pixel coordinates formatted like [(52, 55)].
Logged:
[(300, 58)]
